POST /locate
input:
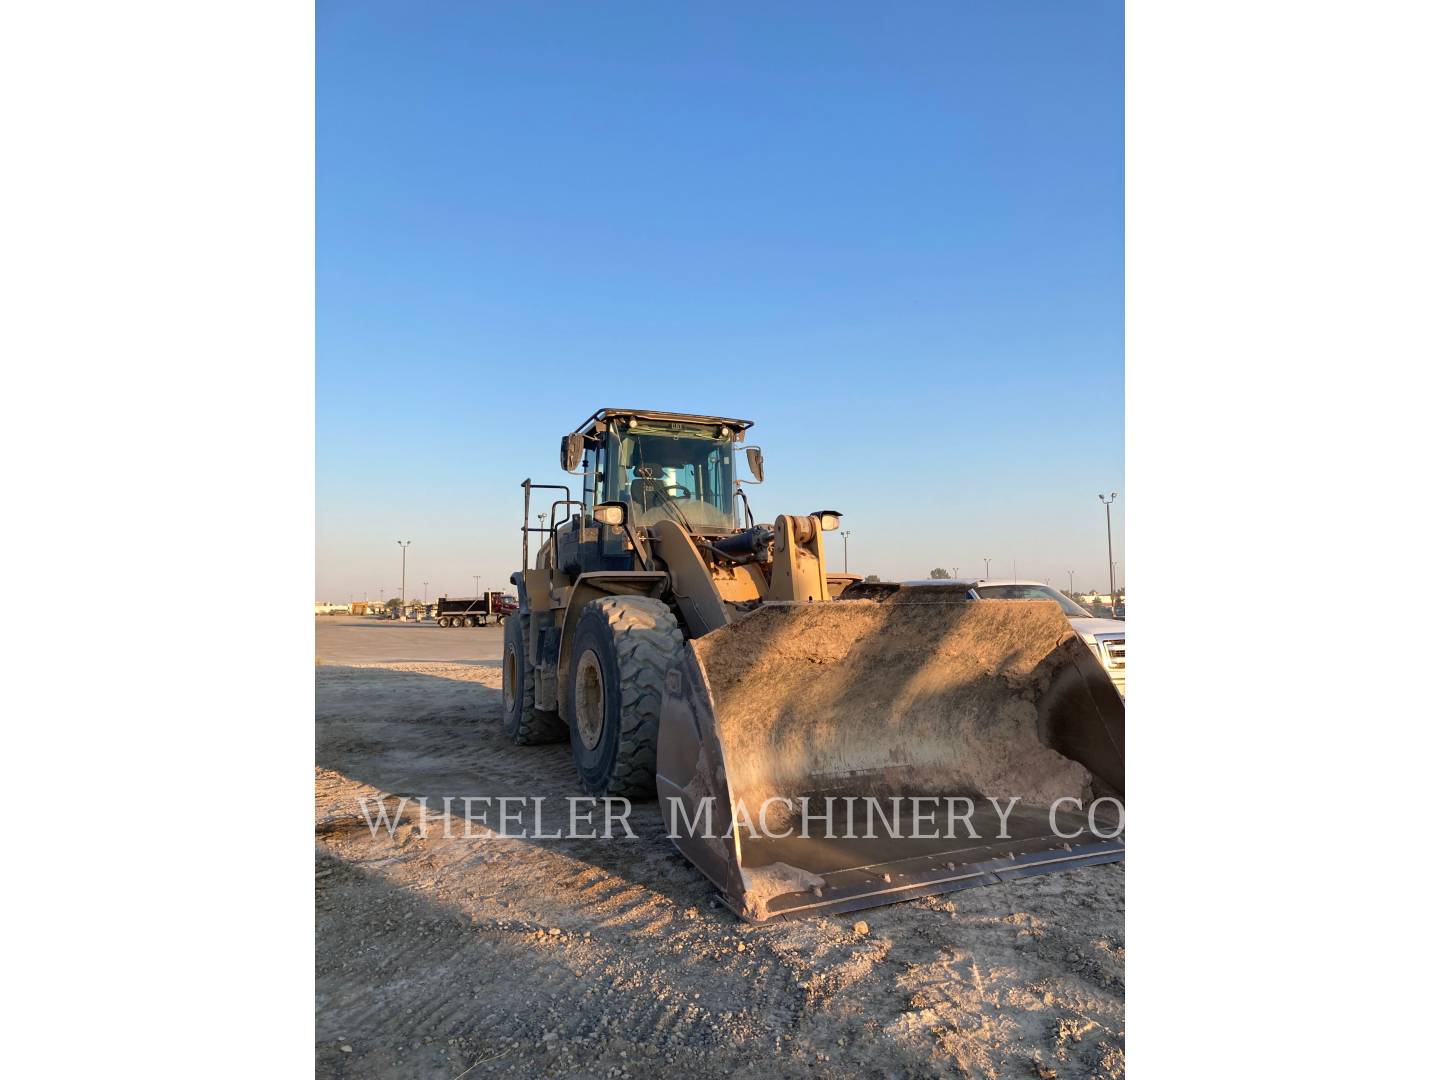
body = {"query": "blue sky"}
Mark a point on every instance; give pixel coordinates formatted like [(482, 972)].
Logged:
[(891, 235)]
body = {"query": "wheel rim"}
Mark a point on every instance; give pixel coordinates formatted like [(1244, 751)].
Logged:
[(510, 678), (589, 700)]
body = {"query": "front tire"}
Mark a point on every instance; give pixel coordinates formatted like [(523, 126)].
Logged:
[(623, 647), (525, 725)]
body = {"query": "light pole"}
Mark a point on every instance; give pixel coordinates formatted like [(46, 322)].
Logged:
[(477, 585), (1072, 581), (845, 536), (954, 573), (542, 518), (1109, 546), (425, 596), (987, 566), (404, 547)]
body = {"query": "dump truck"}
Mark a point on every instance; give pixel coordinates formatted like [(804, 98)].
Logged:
[(775, 707), (472, 610)]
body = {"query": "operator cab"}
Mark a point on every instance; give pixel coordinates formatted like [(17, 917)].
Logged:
[(664, 466)]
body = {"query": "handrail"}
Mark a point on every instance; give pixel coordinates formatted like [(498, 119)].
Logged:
[(525, 527)]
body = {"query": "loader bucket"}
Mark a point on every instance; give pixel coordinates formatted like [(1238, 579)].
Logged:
[(822, 757)]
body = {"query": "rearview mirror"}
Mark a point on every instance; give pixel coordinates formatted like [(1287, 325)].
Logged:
[(610, 513), (756, 461), (572, 450)]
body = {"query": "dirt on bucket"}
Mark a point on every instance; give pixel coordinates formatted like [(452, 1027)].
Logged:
[(921, 698)]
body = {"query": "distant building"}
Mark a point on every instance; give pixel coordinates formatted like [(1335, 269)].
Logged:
[(324, 607)]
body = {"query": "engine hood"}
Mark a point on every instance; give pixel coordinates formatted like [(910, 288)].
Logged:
[(1088, 628)]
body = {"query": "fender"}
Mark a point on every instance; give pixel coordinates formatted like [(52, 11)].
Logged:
[(589, 587)]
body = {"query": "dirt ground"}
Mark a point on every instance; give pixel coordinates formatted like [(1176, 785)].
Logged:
[(486, 956)]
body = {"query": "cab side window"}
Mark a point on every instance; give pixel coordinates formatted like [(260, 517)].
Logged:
[(590, 467)]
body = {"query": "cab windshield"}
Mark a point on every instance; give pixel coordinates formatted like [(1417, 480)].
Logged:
[(688, 479)]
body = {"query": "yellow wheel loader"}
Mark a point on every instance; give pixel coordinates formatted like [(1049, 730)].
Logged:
[(818, 744)]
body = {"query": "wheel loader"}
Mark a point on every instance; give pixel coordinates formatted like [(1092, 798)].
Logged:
[(818, 744)]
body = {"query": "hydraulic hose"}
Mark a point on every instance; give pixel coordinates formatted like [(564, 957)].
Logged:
[(745, 546)]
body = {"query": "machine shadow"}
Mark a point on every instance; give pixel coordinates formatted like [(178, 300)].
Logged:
[(424, 737)]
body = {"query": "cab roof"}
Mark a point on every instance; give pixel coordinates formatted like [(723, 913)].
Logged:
[(604, 415)]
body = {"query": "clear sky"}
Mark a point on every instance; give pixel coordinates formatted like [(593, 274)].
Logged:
[(891, 235)]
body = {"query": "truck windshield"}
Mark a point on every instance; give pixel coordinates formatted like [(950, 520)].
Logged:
[(688, 479), (1032, 592)]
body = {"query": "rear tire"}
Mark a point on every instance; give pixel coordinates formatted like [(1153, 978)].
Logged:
[(469, 620), (623, 647), (525, 725)]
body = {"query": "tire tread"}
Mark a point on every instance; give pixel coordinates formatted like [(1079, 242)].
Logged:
[(647, 643)]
